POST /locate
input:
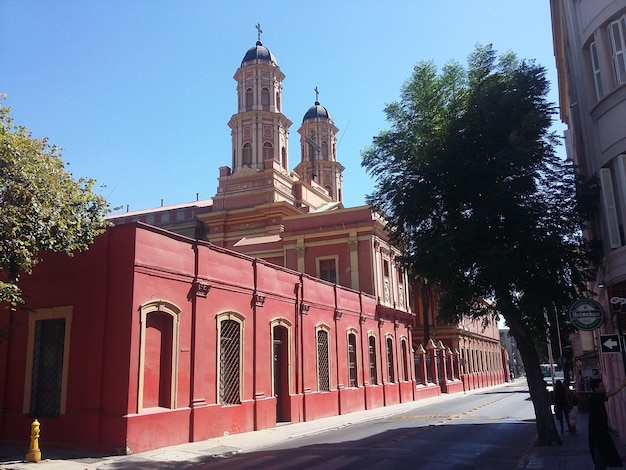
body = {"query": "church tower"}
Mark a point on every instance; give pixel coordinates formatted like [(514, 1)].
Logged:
[(259, 129), (318, 144), (259, 171)]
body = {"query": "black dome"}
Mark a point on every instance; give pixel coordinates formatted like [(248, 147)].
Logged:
[(317, 111), (259, 52)]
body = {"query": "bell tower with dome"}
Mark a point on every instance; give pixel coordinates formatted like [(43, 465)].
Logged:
[(259, 129), (318, 147), (258, 190)]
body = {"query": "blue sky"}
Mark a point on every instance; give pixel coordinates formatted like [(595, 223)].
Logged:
[(138, 93)]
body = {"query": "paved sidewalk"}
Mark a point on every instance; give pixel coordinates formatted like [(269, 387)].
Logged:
[(573, 454)]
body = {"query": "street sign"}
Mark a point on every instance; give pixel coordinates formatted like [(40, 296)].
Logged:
[(610, 344)]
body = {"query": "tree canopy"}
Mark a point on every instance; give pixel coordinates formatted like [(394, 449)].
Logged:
[(473, 190), (42, 207)]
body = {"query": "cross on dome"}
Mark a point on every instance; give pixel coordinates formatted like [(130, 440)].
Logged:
[(259, 31)]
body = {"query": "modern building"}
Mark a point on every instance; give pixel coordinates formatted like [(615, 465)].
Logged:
[(590, 51), (270, 302)]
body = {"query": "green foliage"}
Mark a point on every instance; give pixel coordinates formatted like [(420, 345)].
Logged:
[(484, 208), (42, 208), (474, 191)]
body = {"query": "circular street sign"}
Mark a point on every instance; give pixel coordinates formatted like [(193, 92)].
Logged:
[(586, 314)]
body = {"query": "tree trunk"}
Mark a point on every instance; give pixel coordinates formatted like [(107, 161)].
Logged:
[(546, 427)]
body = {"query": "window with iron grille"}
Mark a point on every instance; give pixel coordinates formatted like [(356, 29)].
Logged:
[(230, 362), (352, 365), (455, 366), (372, 354), (439, 363), (391, 376), (405, 368), (323, 365), (49, 345)]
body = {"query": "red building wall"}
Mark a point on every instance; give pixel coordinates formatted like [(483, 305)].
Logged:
[(143, 362)]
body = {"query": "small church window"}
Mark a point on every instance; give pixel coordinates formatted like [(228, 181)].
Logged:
[(268, 151), (324, 150), (328, 269), (265, 97), (249, 98), (247, 154)]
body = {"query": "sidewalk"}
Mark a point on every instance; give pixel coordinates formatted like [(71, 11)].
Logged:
[(572, 455)]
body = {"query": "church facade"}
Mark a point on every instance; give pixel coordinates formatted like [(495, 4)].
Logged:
[(271, 302)]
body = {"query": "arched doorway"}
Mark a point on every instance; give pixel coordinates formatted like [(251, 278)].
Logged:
[(280, 336)]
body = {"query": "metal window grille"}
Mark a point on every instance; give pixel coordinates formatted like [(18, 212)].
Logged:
[(372, 353), (323, 376), (439, 363), (352, 360), (429, 367), (418, 368), (450, 365), (405, 370), (390, 372), (230, 362), (47, 368), (455, 366)]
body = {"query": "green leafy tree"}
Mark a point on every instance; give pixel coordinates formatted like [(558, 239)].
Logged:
[(485, 209), (42, 208)]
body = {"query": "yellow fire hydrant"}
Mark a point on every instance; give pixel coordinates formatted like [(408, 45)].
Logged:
[(34, 454)]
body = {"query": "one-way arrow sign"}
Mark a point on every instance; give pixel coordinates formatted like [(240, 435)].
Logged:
[(610, 344)]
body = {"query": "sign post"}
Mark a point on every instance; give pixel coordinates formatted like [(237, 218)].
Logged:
[(618, 306)]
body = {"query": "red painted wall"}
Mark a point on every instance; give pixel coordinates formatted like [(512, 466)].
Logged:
[(133, 267)]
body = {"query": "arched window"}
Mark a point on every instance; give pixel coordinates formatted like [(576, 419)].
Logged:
[(324, 150), (247, 154), (391, 376), (323, 359), (372, 356), (404, 362), (265, 98), (249, 98), (352, 361), (230, 359), (268, 151), (158, 356)]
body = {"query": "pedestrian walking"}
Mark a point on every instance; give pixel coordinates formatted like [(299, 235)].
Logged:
[(603, 451), (561, 405)]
